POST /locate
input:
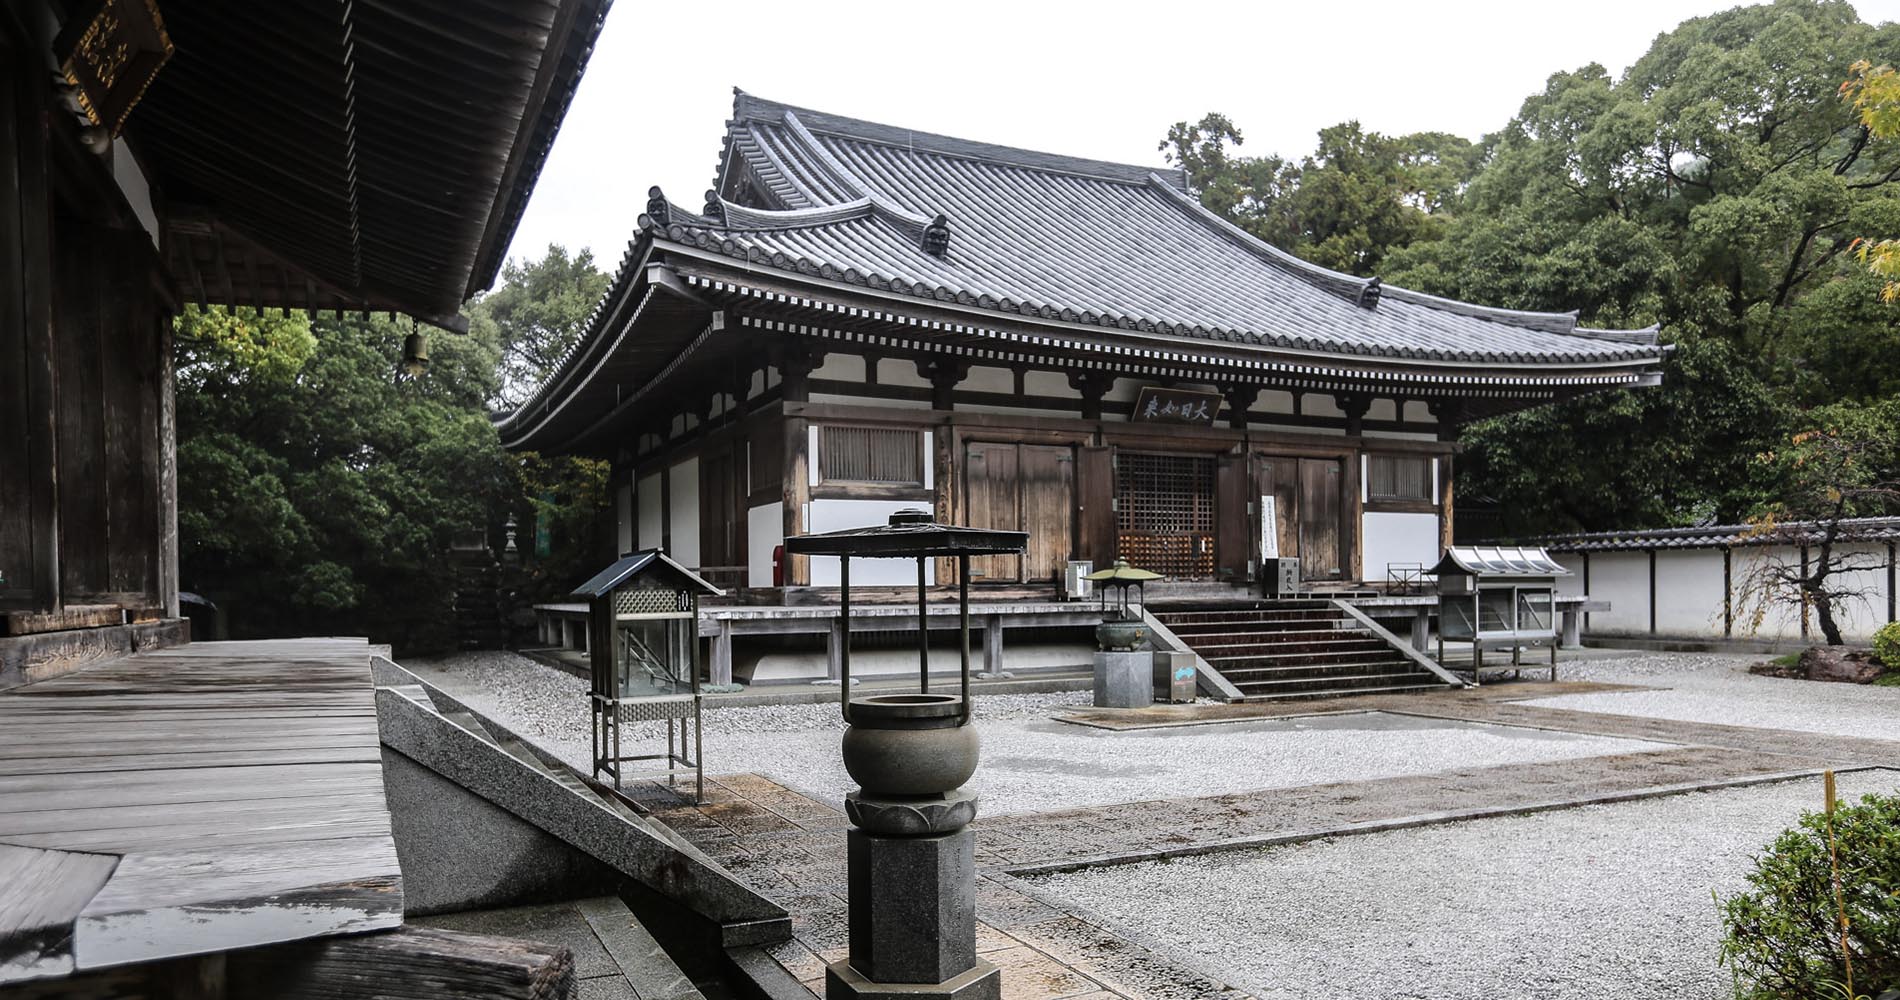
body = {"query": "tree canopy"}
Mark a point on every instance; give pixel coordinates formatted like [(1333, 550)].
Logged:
[(1715, 190)]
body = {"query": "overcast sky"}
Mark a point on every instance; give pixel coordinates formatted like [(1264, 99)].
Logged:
[(1102, 80)]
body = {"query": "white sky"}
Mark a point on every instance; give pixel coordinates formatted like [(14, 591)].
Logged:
[(1102, 80)]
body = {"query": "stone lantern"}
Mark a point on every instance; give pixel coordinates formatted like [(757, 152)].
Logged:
[(910, 853)]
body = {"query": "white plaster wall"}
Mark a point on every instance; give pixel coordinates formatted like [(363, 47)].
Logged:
[(1861, 618), (1018, 411), (984, 378), (646, 492), (1858, 618), (1382, 409), (1051, 384), (1398, 538), (764, 531), (1572, 585), (901, 371), (1273, 401), (1400, 435), (1688, 592), (1320, 404), (683, 506), (841, 367), (836, 515), (1419, 410), (1622, 578), (623, 518)]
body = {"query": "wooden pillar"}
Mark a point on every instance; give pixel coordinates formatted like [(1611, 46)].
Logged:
[(1586, 589), (1239, 398), (720, 670), (1652, 591), (1093, 386), (834, 650), (1353, 513), (943, 374), (1355, 407), (1728, 592), (795, 368), (1446, 505), (1890, 576), (28, 115), (993, 644), (1422, 629)]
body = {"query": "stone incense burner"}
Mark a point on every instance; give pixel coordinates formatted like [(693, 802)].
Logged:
[(910, 853)]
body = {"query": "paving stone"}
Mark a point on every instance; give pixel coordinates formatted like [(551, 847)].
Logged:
[(1031, 975)]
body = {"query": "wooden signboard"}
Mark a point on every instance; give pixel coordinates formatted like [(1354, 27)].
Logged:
[(1156, 405), (111, 50)]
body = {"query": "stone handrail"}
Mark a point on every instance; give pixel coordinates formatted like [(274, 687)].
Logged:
[(1401, 645)]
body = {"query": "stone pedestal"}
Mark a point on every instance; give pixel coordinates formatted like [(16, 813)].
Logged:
[(1124, 680), (911, 884)]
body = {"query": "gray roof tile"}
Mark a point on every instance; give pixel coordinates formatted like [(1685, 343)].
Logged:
[(1059, 237)]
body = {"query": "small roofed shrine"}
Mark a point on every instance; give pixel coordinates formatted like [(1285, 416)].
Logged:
[(859, 317), (1498, 597), (644, 663)]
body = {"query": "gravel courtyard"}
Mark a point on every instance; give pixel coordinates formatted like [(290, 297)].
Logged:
[(1585, 903), (1709, 687), (1030, 762), (1581, 902)]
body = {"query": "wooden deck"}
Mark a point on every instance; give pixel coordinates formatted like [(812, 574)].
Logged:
[(192, 800)]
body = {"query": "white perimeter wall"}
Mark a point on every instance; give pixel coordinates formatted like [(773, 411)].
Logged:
[(836, 515), (1689, 593), (683, 507), (764, 531), (646, 492), (1398, 538)]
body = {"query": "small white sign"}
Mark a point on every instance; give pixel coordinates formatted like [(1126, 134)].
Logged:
[(1269, 530)]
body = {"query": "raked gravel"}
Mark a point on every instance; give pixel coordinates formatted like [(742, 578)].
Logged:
[(1032, 763), (1585, 903), (1707, 687)]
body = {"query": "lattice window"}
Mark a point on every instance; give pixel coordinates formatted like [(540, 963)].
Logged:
[(1399, 477), (635, 601), (1164, 513), (888, 456)]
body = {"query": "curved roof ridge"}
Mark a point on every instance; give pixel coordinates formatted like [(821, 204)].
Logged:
[(1554, 322), (911, 222), (751, 107), (1345, 286), (740, 218), (1647, 335)]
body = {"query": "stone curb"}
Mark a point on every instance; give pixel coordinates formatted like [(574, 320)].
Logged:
[(1405, 822)]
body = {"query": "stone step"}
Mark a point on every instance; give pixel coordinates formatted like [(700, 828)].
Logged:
[(1399, 688), (1250, 620), (1320, 642), (1349, 668), (1231, 664)]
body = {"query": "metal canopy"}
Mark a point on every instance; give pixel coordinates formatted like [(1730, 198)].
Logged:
[(645, 561), (1498, 562), (910, 534)]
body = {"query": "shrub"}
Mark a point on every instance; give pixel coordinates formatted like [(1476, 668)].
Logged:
[(1887, 645), (1782, 936)]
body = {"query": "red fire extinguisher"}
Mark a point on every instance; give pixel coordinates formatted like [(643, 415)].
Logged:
[(778, 565)]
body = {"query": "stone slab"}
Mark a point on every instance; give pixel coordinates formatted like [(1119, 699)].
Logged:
[(1124, 680)]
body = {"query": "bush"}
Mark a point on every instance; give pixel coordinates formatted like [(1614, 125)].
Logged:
[(1782, 937), (1887, 645)]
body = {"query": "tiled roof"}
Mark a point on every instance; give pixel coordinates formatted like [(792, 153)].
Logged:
[(1715, 536), (1055, 237)]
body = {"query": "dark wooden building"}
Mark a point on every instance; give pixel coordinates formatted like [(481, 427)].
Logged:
[(862, 318), (300, 154)]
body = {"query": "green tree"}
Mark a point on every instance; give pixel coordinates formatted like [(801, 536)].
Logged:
[(319, 488), (1715, 190), (1357, 197), (536, 316)]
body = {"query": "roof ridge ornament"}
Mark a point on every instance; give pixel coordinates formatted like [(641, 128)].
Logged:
[(715, 209), (1369, 295), (937, 236), (657, 208)]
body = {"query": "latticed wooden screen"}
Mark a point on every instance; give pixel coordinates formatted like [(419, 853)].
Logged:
[(1399, 477), (870, 455), (1164, 513)]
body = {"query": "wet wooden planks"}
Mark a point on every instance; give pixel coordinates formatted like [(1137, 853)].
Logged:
[(234, 790)]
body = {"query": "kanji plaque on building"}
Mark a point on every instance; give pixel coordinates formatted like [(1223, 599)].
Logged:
[(1157, 405), (112, 54)]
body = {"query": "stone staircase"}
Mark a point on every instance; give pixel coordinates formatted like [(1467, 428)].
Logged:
[(1297, 648)]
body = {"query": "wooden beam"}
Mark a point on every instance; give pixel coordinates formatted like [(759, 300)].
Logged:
[(407, 961)]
